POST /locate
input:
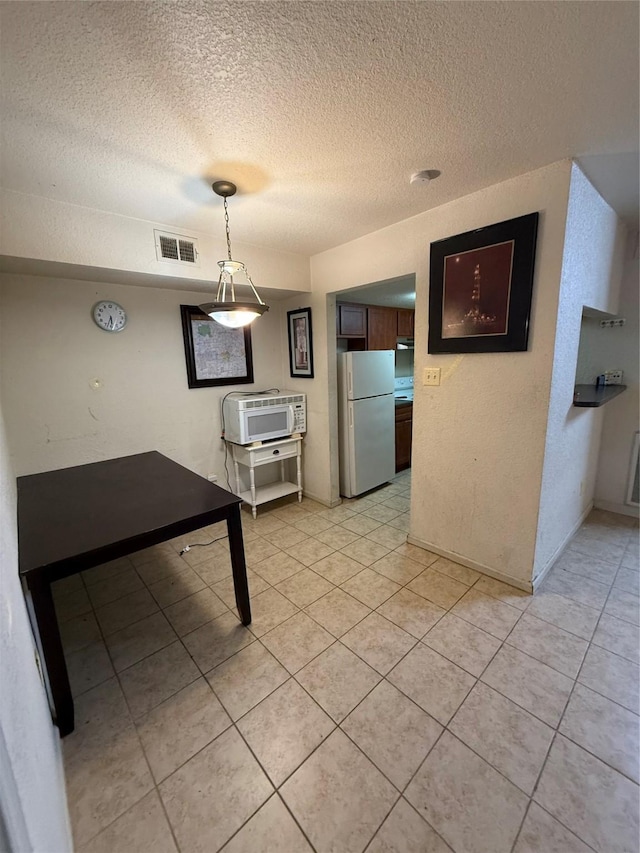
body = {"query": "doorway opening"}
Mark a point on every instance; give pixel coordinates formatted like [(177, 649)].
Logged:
[(375, 317)]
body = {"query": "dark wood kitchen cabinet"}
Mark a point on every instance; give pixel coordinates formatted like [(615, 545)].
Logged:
[(404, 423), (351, 320), (405, 322), (382, 327), (372, 327)]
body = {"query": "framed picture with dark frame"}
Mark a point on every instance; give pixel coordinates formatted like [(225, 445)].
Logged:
[(480, 286), (215, 355), (300, 343)]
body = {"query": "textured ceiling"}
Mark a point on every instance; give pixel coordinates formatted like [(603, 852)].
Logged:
[(395, 292), (320, 111)]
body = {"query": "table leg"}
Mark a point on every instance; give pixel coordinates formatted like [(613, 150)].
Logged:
[(45, 613), (238, 565)]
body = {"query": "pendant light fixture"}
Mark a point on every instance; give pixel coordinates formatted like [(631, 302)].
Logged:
[(231, 312)]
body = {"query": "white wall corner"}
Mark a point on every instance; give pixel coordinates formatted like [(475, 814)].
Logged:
[(472, 564), (537, 581), (591, 270), (34, 805), (621, 421)]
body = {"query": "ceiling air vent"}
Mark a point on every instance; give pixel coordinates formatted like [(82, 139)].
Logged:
[(176, 249)]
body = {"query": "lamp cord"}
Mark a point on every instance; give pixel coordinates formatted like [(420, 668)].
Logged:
[(226, 223), (201, 544)]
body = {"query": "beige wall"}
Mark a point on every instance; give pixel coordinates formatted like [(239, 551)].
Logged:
[(40, 228), (52, 350), (320, 460), (478, 440)]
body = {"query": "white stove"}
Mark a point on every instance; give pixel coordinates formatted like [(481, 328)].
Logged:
[(403, 388)]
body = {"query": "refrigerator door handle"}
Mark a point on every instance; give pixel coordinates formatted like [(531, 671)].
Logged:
[(349, 383), (350, 417)]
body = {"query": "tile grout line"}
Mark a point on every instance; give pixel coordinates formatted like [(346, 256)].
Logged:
[(558, 733), (383, 677), (200, 675), (536, 803), (589, 752), (147, 585), (413, 808), (478, 678), (178, 637), (233, 725), (602, 613), (276, 788), (144, 754), (522, 822), (567, 702), (555, 730), (303, 610), (336, 726), (278, 625)]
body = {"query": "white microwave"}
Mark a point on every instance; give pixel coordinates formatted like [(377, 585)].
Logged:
[(248, 418)]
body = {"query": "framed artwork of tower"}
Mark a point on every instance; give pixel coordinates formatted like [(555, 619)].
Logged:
[(480, 286)]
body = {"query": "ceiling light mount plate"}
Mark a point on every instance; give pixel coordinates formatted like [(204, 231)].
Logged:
[(224, 188), (424, 176)]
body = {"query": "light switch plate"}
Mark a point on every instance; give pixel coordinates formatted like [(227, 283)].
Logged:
[(431, 376)]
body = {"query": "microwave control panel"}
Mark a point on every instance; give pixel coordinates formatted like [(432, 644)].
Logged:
[(299, 419)]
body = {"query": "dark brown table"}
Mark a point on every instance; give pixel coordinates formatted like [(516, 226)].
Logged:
[(77, 518)]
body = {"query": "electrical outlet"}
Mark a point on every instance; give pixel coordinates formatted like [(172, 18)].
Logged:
[(431, 376), (613, 377)]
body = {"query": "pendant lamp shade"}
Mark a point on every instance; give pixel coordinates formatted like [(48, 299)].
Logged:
[(226, 309)]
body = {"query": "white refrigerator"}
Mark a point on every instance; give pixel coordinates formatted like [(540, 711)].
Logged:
[(366, 420)]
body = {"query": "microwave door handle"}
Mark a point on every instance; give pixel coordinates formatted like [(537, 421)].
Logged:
[(290, 419)]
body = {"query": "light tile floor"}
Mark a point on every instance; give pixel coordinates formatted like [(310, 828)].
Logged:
[(382, 698)]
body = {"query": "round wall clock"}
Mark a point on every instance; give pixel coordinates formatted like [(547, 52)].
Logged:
[(109, 316)]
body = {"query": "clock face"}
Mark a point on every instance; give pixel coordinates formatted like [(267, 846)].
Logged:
[(110, 316)]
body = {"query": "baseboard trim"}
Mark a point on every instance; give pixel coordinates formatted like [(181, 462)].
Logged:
[(621, 509), (322, 501), (542, 574), (472, 564)]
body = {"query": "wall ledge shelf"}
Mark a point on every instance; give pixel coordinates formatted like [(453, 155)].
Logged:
[(592, 396)]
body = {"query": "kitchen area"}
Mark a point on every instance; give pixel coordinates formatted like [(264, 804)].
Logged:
[(370, 321)]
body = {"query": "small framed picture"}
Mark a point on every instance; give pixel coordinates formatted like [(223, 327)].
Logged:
[(300, 343), (480, 286), (215, 355)]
